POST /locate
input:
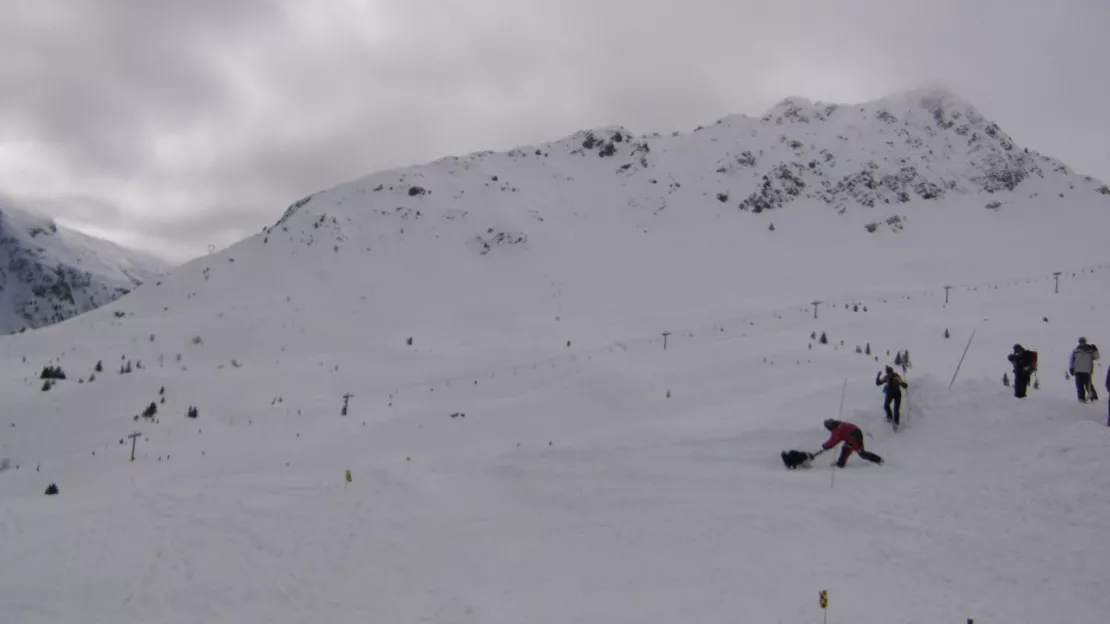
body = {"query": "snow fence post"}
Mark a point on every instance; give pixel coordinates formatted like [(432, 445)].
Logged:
[(665, 334), (134, 437), (1057, 276), (961, 360), (946, 289), (815, 304)]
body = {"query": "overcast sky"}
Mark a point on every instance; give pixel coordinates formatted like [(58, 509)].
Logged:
[(175, 125)]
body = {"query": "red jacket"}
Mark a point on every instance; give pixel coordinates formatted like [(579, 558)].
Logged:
[(843, 433)]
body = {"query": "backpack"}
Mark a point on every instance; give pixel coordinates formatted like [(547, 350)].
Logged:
[(1032, 361)]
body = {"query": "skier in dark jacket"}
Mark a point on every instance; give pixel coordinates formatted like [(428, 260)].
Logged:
[(852, 438), (1082, 366), (893, 389), (1025, 365)]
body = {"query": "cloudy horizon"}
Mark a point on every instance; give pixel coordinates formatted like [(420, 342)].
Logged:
[(175, 126)]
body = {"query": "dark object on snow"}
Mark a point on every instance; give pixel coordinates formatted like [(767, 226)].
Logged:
[(1108, 405), (52, 372), (51, 490), (796, 459), (150, 410), (134, 437), (1025, 366), (458, 415)]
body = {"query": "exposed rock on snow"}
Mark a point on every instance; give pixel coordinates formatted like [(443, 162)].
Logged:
[(49, 274)]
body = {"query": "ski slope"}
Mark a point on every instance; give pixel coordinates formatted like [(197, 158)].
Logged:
[(576, 491), (589, 475)]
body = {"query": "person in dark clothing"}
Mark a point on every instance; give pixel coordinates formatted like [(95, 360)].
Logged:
[(852, 438), (1025, 364), (1082, 366), (1108, 391), (893, 389)]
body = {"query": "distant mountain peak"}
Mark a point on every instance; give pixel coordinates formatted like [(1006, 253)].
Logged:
[(867, 160), (49, 273)]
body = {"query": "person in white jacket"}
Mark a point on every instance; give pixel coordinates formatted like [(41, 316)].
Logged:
[(1083, 359)]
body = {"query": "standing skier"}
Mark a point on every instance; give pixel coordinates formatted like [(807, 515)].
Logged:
[(1025, 364), (1081, 367), (852, 438), (893, 389)]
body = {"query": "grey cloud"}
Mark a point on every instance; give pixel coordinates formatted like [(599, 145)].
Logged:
[(173, 235), (186, 123), (100, 80)]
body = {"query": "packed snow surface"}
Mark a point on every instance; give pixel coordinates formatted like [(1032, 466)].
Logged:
[(521, 445)]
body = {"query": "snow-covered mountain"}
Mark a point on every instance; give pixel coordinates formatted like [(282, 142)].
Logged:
[(49, 273), (552, 385)]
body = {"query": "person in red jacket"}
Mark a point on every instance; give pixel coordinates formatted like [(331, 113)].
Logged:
[(852, 438)]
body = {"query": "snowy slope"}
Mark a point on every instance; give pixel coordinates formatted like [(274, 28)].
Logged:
[(588, 474), (49, 273)]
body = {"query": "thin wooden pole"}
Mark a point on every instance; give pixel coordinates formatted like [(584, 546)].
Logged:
[(961, 360)]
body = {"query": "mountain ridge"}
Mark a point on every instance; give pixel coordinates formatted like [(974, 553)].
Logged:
[(604, 233), (50, 273), (772, 176)]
